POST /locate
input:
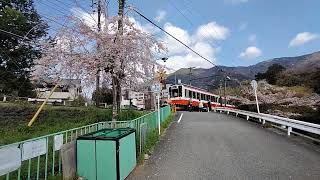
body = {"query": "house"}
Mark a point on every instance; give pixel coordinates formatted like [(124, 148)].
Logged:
[(135, 98), (67, 90)]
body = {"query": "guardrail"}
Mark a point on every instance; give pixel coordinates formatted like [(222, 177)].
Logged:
[(284, 122), (46, 161)]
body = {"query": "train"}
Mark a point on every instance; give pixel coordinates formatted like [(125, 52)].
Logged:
[(181, 95)]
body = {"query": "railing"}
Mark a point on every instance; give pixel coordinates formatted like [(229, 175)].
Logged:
[(284, 122), (49, 163)]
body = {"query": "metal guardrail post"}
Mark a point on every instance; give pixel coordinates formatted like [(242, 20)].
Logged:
[(289, 130)]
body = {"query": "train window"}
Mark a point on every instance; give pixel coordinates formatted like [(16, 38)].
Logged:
[(190, 94), (186, 93), (180, 91), (198, 95), (194, 95), (173, 92)]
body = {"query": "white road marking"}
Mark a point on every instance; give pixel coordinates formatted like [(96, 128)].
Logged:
[(180, 118)]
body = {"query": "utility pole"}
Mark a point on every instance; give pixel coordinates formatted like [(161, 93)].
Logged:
[(98, 71), (225, 97), (190, 74), (220, 99), (116, 79), (226, 78)]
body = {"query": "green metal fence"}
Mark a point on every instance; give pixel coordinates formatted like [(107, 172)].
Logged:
[(49, 164)]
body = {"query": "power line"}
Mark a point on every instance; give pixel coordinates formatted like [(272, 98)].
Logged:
[(206, 77), (205, 28), (172, 36), (11, 33)]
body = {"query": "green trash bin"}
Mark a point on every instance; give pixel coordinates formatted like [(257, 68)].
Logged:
[(107, 154)]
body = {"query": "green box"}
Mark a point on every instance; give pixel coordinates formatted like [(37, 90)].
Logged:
[(107, 154)]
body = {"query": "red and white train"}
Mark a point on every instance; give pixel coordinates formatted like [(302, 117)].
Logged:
[(182, 95)]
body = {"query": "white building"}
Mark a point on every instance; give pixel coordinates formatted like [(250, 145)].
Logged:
[(68, 90)]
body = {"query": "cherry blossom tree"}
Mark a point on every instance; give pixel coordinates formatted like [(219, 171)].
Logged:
[(81, 52)]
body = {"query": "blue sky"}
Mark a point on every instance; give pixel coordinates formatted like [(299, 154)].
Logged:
[(230, 32)]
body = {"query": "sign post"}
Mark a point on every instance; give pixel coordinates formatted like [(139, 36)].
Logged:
[(159, 123), (10, 159), (254, 85), (156, 88)]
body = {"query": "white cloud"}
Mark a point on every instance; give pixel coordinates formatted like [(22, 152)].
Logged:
[(144, 27), (250, 53), (90, 19), (161, 15), (212, 31), (252, 38), (303, 38), (243, 26), (200, 41), (173, 46), (236, 1), (189, 59)]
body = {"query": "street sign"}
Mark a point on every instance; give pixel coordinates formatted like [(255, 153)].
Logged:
[(254, 84), (58, 142), (34, 148), (155, 88), (10, 159)]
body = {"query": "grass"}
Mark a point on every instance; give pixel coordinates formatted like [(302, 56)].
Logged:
[(15, 117), (153, 138), (267, 125), (301, 91)]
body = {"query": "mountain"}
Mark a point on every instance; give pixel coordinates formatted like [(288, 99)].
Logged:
[(213, 77)]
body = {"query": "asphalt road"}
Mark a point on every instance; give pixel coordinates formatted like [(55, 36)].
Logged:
[(219, 146)]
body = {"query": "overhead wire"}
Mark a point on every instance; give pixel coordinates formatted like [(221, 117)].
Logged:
[(188, 47)]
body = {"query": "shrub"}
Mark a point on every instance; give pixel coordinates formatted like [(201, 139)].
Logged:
[(301, 91)]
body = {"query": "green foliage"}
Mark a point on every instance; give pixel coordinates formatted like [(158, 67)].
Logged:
[(309, 79), (271, 75), (14, 119), (301, 91), (153, 138), (79, 101), (105, 95), (267, 125), (17, 54)]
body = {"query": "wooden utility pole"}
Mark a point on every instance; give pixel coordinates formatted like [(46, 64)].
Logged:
[(121, 73), (98, 71), (224, 92), (116, 77), (190, 73)]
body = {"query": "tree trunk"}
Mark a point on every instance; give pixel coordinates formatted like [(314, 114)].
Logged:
[(119, 74), (116, 86), (114, 98), (119, 96)]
